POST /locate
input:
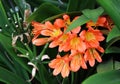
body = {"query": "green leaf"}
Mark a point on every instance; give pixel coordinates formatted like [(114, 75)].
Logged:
[(78, 5), (111, 77), (112, 49), (93, 14), (44, 11), (65, 81), (22, 50), (6, 61), (112, 7), (6, 43), (10, 77), (105, 66), (45, 76), (80, 21), (73, 5), (114, 33), (117, 65), (3, 16)]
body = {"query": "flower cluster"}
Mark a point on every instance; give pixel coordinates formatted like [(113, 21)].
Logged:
[(81, 45)]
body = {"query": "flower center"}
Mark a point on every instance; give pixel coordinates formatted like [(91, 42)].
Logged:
[(89, 36), (75, 41), (56, 32)]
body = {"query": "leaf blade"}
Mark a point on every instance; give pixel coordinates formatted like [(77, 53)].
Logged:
[(111, 77), (10, 77)]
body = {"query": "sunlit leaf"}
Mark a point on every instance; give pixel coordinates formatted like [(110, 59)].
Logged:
[(80, 21), (93, 14)]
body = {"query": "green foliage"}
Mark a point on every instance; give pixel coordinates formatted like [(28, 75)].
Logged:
[(3, 16), (44, 12), (111, 77), (10, 77), (80, 21), (93, 14), (112, 8), (87, 16)]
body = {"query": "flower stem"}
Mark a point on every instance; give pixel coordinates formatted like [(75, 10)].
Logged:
[(43, 51)]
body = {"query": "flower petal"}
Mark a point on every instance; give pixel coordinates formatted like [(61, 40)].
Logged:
[(58, 69), (76, 30), (59, 23), (97, 56), (65, 71), (46, 32), (39, 41)]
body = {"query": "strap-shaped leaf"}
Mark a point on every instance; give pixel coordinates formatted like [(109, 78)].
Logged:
[(78, 5), (114, 33), (3, 16), (80, 21), (44, 11), (111, 77), (10, 77), (5, 41), (105, 66), (93, 14), (112, 49)]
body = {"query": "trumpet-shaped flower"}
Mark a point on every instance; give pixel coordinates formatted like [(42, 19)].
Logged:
[(92, 54), (77, 61), (37, 28), (60, 65), (100, 22), (62, 42), (50, 31), (91, 37), (76, 43), (103, 21)]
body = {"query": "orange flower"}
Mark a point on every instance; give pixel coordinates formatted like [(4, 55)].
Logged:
[(51, 30), (103, 21), (60, 65), (100, 22), (48, 30), (91, 54), (77, 61), (60, 23), (62, 42), (76, 43), (68, 22), (37, 28), (91, 37), (40, 41)]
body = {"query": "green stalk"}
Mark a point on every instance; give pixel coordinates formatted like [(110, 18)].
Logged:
[(72, 77), (43, 51)]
